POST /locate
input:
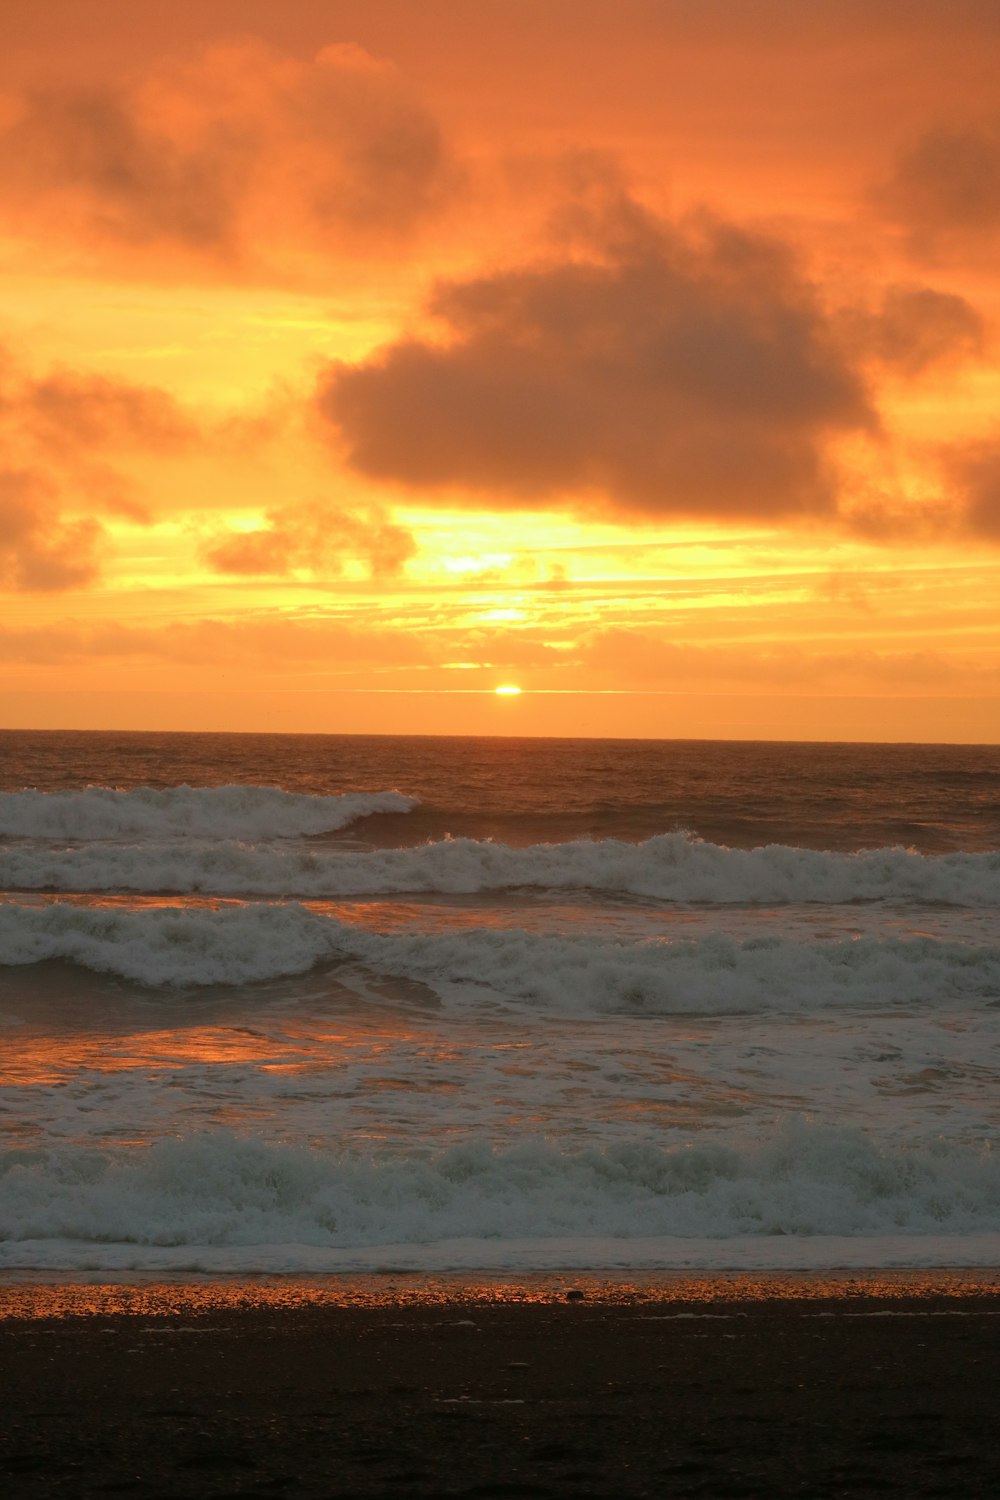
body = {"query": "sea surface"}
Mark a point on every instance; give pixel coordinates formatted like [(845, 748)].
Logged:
[(321, 1003)]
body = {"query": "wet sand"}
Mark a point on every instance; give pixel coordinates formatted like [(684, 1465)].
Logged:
[(420, 1386)]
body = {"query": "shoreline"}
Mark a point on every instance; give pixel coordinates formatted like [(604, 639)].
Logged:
[(31, 1294), (583, 1386)]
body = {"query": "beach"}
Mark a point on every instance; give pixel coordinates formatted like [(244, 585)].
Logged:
[(843, 1385)]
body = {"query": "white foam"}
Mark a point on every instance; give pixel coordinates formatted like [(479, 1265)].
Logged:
[(227, 812), (675, 866), (170, 945), (223, 1200), (714, 974)]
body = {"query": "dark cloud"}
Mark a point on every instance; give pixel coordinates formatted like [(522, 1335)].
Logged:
[(238, 145), (684, 370), (945, 189), (918, 327), (318, 539)]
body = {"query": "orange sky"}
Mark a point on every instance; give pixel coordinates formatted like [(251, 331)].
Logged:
[(359, 358)]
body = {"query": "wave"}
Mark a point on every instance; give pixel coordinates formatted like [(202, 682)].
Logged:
[(577, 974), (268, 1202), (675, 866), (227, 812)]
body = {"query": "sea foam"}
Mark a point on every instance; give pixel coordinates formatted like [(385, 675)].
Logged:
[(266, 1202), (674, 867), (225, 812), (574, 973)]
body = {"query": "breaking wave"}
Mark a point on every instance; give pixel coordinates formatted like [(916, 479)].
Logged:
[(575, 973), (266, 1204), (226, 812), (675, 866)]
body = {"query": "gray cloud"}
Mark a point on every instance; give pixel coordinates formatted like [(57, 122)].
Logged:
[(686, 370)]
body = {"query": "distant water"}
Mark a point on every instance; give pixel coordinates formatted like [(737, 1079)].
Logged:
[(315, 1002), (523, 791)]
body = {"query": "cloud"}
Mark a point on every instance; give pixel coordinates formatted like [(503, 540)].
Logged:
[(918, 328), (974, 472), (82, 410), (239, 146), (66, 412), (317, 539), (79, 445), (61, 433), (88, 149), (945, 189), (40, 549), (964, 503), (676, 369)]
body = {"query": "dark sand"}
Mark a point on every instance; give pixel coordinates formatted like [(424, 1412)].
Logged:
[(409, 1386)]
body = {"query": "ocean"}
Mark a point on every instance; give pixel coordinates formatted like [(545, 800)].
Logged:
[(281, 1003)]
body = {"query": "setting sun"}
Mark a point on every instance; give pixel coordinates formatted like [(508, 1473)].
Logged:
[(508, 690)]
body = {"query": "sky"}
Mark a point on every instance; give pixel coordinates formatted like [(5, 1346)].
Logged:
[(361, 357)]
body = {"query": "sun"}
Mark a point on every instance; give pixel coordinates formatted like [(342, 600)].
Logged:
[(507, 690)]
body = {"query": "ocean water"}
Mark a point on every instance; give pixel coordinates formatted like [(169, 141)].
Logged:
[(310, 1003)]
